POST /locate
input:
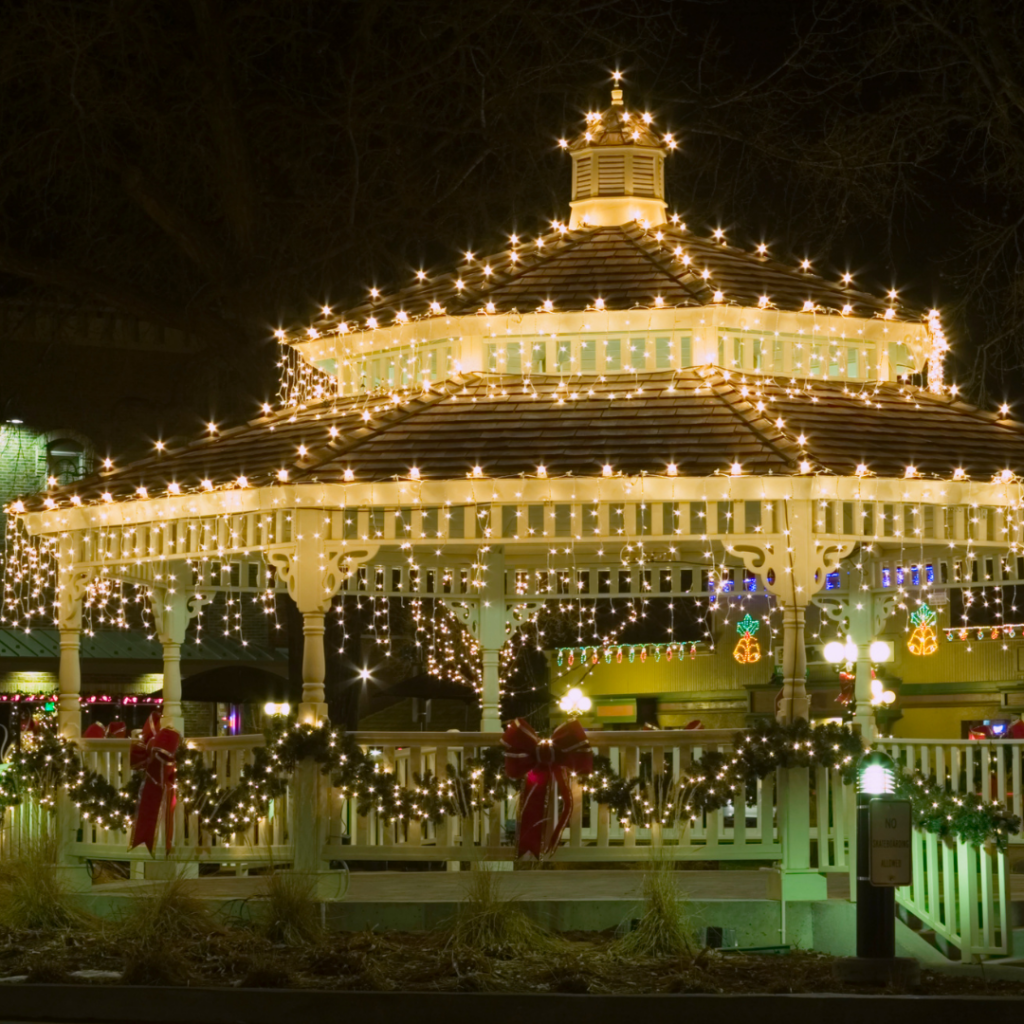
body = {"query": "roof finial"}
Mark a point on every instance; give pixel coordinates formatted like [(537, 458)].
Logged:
[(617, 93)]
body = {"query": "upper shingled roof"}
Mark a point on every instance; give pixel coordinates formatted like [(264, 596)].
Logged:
[(625, 267), (703, 421)]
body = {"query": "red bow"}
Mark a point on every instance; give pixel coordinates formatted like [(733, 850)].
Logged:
[(547, 765), (153, 755)]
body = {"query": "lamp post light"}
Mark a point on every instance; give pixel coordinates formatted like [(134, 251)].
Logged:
[(883, 863), (575, 703)]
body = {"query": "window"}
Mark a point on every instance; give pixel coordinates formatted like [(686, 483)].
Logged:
[(588, 356), (663, 353), (540, 356), (514, 357), (613, 354), (638, 353), (492, 358), (564, 356), (851, 363), (777, 356), (65, 460), (685, 352)]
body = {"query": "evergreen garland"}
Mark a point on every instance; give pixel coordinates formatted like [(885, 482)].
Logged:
[(652, 797)]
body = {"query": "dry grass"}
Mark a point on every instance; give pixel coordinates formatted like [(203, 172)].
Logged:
[(288, 910), (33, 896), (493, 924), (663, 929), (159, 930)]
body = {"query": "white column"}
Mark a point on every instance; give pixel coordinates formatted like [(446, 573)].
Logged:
[(492, 640), (795, 703), (172, 715), (314, 668), (69, 684)]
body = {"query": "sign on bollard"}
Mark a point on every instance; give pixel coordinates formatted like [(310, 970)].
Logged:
[(890, 824)]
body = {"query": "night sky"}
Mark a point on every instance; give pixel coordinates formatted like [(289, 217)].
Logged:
[(224, 169)]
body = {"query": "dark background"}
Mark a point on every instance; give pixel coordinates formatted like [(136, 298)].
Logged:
[(219, 169)]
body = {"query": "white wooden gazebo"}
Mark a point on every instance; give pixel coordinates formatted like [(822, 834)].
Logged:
[(615, 407)]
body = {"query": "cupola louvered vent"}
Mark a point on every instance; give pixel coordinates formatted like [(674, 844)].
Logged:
[(583, 177), (611, 174), (643, 175)]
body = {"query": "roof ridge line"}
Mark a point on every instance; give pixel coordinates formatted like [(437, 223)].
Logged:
[(789, 451), (399, 414), (665, 269)]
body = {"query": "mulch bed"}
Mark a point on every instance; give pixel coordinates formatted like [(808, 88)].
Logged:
[(428, 962)]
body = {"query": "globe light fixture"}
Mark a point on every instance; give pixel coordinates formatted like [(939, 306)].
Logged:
[(575, 703), (835, 652)]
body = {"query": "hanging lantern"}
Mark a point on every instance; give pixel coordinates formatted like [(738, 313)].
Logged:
[(747, 650), (923, 640)]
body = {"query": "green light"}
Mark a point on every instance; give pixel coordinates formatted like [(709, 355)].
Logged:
[(876, 774)]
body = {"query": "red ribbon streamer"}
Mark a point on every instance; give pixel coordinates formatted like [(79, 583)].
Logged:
[(153, 755), (547, 765)]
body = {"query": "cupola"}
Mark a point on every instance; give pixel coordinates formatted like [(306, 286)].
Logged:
[(618, 169)]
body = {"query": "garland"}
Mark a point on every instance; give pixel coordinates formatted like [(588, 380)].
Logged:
[(650, 798)]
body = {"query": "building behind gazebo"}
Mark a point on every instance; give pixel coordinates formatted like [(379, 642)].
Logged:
[(618, 409)]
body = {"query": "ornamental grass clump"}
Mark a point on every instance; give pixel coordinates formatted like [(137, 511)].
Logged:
[(160, 930), (663, 928), (491, 923), (288, 910), (33, 896)]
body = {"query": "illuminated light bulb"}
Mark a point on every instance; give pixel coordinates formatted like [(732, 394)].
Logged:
[(478, 471), (672, 469), (599, 303), (847, 278), (861, 469), (805, 466), (207, 485), (850, 650), (805, 264), (173, 488), (808, 306), (160, 446), (658, 300), (267, 408), (414, 473), (834, 652), (349, 475), (142, 492), (374, 293), (49, 503), (421, 275), (705, 273), (401, 316), (879, 651), (343, 327), (108, 463), (1006, 476), (242, 481), (107, 497), (564, 143), (489, 307), (460, 284), (548, 305), (718, 296), (279, 334), (435, 307), (1004, 409), (282, 475), (312, 332), (762, 301), (910, 473), (735, 469), (487, 270), (762, 249), (606, 469), (18, 506), (303, 451), (687, 260), (371, 322), (892, 293), (888, 696), (847, 309), (889, 313), (719, 234), (542, 471)]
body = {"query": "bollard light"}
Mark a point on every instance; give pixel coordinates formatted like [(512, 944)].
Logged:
[(270, 708), (875, 774)]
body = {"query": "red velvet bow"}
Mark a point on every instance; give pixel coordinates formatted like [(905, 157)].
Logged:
[(153, 755), (547, 765)]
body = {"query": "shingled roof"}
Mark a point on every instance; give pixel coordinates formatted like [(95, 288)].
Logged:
[(701, 420), (625, 267)]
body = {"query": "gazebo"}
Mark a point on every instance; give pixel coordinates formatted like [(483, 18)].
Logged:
[(616, 407)]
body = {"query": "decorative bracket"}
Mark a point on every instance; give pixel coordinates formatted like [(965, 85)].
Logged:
[(71, 590), (313, 573)]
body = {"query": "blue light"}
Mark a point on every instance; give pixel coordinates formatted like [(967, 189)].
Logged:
[(886, 577), (832, 581), (899, 576), (929, 573), (915, 575)]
